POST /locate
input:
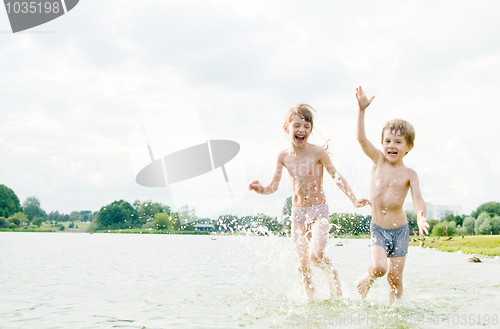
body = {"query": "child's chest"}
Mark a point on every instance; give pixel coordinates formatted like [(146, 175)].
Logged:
[(302, 167), (388, 178)]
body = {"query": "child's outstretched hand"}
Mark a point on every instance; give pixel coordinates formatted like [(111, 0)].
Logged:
[(255, 186), (363, 101), (422, 224), (358, 203)]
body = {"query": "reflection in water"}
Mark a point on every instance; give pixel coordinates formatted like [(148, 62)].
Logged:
[(159, 281)]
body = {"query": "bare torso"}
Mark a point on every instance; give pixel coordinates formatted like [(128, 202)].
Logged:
[(388, 189), (305, 172)]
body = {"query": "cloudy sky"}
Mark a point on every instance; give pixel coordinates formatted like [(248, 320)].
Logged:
[(73, 90)]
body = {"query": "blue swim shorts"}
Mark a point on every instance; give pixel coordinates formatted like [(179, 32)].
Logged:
[(394, 240)]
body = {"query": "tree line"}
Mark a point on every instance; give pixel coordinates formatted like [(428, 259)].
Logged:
[(150, 215)]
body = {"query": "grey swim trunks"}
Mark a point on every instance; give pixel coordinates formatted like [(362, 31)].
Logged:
[(394, 240), (308, 215)]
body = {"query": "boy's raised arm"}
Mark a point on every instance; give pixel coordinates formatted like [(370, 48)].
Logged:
[(275, 182), (418, 203), (363, 102)]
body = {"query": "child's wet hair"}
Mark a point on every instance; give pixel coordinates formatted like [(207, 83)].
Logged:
[(404, 127), (305, 111)]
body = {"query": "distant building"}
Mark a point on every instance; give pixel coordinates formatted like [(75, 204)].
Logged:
[(437, 211), (204, 227)]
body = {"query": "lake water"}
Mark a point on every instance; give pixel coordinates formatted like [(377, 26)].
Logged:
[(64, 280)]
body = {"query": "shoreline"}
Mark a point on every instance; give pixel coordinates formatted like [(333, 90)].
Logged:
[(485, 245)]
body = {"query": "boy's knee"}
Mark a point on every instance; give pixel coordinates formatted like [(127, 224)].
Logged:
[(316, 257), (394, 278), (379, 270), (304, 268)]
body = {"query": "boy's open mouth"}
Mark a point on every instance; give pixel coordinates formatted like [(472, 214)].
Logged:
[(300, 138), (392, 152)]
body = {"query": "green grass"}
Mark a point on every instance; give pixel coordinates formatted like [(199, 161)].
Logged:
[(80, 225), (29, 229), (488, 245)]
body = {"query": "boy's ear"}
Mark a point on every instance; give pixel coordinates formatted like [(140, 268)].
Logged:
[(408, 148)]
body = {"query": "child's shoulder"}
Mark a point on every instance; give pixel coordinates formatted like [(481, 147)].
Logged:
[(408, 172), (411, 172), (317, 149), (282, 154)]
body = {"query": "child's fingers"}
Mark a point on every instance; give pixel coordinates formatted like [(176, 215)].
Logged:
[(250, 186)]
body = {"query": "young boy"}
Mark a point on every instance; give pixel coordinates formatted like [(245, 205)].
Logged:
[(390, 181), (304, 163)]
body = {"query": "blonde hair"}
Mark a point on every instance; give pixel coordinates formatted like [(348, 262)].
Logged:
[(302, 110), (404, 127)]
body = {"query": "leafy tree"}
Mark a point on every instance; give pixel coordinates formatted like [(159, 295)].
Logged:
[(432, 223), (189, 226), (21, 217), (451, 218), (184, 220), (176, 223), (266, 224), (82, 216), (136, 204), (116, 215), (440, 228), (148, 209), (14, 221), (286, 213), (492, 208), (187, 215), (31, 207), (53, 215), (9, 202), (495, 225), (347, 224), (485, 227), (4, 222), (462, 230), (287, 208), (73, 216), (479, 222), (411, 216), (468, 224), (162, 221), (38, 221), (227, 223)]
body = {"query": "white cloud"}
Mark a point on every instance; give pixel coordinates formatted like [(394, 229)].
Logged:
[(70, 98)]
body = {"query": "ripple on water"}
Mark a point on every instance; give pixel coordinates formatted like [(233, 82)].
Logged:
[(159, 281)]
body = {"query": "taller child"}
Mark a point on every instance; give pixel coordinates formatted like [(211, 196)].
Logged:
[(304, 163), (390, 181)]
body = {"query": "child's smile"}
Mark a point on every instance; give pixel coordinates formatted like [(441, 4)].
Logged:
[(395, 146), (298, 130)]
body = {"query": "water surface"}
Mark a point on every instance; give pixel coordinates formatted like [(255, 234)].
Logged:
[(63, 280)]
